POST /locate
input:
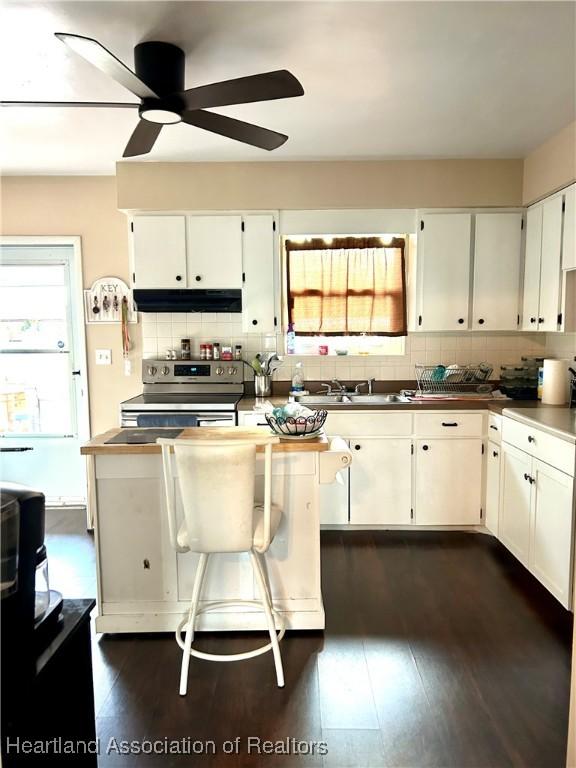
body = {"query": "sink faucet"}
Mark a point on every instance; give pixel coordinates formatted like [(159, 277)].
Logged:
[(368, 383), (341, 387), (326, 391)]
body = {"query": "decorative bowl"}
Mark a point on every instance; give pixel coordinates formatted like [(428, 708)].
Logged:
[(297, 425)]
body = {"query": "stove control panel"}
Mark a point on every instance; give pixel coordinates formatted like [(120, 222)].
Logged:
[(191, 371)]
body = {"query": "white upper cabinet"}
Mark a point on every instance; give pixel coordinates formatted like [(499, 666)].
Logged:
[(550, 264), (497, 258), (159, 252), (569, 237), (444, 250), (541, 301), (531, 298), (214, 253), (258, 289)]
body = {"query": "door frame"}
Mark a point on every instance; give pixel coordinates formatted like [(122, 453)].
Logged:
[(82, 402)]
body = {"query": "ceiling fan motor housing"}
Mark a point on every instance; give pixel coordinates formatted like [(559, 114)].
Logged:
[(161, 67)]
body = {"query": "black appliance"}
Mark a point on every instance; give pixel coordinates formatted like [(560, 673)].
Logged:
[(187, 300), (30, 609)]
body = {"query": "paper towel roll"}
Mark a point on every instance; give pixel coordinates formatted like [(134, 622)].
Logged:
[(554, 390)]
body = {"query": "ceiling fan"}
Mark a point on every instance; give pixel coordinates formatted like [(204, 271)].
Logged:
[(158, 81)]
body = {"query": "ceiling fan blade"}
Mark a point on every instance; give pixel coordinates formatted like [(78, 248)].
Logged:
[(106, 62), (142, 139), (112, 104), (280, 84), (235, 129)]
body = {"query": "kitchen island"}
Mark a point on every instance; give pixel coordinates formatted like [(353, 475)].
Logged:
[(145, 586)]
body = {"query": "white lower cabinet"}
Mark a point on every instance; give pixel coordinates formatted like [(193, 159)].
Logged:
[(491, 515), (381, 481), (536, 519), (448, 486), (334, 500), (514, 526), (552, 520)]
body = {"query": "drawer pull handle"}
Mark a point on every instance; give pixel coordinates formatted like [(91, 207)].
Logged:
[(425, 447), (527, 477), (493, 427), (531, 439), (357, 447), (449, 423), (495, 454)]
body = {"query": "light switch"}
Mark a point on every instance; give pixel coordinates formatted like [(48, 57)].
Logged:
[(103, 357)]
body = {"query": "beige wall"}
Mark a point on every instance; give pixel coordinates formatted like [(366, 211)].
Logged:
[(550, 166), (84, 206), (314, 185)]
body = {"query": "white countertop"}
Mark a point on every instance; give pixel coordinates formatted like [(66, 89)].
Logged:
[(558, 420)]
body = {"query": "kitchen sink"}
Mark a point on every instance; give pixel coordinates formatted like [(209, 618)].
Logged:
[(379, 399), (338, 399), (350, 398)]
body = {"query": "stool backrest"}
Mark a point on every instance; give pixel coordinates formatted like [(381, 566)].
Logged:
[(216, 479)]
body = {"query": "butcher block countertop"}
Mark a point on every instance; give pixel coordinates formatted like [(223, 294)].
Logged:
[(97, 445)]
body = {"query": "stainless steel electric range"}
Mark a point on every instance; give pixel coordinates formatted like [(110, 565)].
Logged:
[(186, 393)]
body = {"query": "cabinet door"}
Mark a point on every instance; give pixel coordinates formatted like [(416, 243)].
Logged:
[(550, 264), (448, 482), (258, 294), (159, 252), (552, 521), (214, 253), (334, 500), (381, 481), (531, 294), (492, 488), (569, 231), (514, 522), (444, 271), (130, 510), (497, 251)]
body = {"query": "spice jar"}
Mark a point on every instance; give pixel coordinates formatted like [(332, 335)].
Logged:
[(238, 352), (226, 353), (202, 351), (216, 351), (209, 352), (185, 349)]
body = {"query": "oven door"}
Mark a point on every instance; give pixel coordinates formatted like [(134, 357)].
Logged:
[(129, 418)]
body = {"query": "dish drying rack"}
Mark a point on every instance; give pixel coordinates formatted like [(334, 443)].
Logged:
[(440, 381)]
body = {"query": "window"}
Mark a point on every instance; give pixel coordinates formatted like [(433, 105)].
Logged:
[(350, 286)]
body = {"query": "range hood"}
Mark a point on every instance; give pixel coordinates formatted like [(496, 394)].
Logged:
[(184, 300)]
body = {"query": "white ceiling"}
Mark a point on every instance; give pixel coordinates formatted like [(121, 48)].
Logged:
[(382, 79)]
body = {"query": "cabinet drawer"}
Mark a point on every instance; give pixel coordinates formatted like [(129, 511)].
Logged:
[(369, 424), (450, 424), (553, 450), (495, 428), (252, 419)]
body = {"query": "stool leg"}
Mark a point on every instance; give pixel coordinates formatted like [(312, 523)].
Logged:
[(267, 603), (189, 636)]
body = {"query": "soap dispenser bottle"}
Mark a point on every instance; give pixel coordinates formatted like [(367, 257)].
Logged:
[(298, 379)]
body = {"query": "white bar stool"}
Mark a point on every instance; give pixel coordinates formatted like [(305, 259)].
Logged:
[(217, 480)]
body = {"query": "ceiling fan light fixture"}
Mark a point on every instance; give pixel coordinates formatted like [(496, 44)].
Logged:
[(161, 116)]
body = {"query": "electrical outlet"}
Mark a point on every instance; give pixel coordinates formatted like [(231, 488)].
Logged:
[(103, 357)]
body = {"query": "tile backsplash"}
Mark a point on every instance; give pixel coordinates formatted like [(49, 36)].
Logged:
[(164, 331)]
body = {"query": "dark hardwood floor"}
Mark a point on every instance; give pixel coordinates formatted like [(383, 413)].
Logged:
[(439, 650)]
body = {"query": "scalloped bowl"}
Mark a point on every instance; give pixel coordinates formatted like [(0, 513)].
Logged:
[(297, 425)]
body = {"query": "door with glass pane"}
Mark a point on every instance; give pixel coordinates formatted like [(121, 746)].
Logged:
[(43, 397)]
